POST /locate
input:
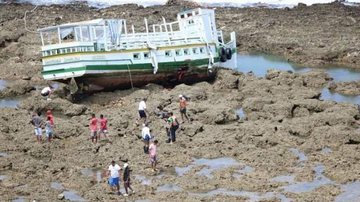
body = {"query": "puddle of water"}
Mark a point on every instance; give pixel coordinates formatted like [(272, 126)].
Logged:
[(143, 179), (3, 177), (284, 178), (326, 94), (351, 192), (245, 170), (19, 199), (210, 166), (9, 103), (56, 185), (240, 113), (3, 84), (301, 156), (96, 174), (326, 150), (72, 196), (3, 154), (253, 196), (259, 64), (169, 188), (319, 180)]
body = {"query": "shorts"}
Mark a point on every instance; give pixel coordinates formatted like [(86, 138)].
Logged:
[(93, 133), (183, 110), (38, 131), (103, 131), (142, 114), (49, 133), (45, 94), (114, 181), (153, 159), (146, 138)]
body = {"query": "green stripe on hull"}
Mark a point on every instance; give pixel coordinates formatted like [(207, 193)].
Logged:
[(163, 67)]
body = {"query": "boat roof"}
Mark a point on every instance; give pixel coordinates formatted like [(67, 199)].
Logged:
[(99, 21)]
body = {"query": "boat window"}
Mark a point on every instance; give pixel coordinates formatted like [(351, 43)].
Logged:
[(182, 16), (190, 22), (197, 12), (168, 53), (195, 50), (186, 52), (189, 14), (178, 52), (90, 49), (73, 50), (136, 56), (202, 50), (48, 53), (68, 50), (146, 55)]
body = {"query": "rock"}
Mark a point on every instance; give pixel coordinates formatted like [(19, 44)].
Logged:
[(75, 110)]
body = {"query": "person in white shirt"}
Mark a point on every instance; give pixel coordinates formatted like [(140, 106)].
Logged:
[(114, 173), (46, 92), (145, 133), (142, 109)]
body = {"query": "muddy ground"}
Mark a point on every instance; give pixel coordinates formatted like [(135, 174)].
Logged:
[(282, 112)]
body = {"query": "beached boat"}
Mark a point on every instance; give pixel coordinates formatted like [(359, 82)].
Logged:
[(103, 54)]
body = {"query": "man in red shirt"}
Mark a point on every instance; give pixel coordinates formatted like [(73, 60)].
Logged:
[(103, 128), (93, 128)]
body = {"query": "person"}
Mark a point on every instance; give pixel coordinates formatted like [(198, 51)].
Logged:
[(37, 123), (183, 104), (152, 154), (103, 128), (51, 116), (113, 174), (126, 179), (46, 92), (174, 125), (145, 133), (93, 128), (142, 109), (49, 129)]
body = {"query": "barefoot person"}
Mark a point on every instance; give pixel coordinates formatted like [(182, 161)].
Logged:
[(152, 154), (49, 129), (145, 133), (142, 110), (46, 92), (174, 125), (114, 174), (183, 104), (103, 128), (36, 121), (93, 128), (126, 179)]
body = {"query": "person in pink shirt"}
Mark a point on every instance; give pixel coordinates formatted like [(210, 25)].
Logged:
[(93, 128), (152, 154), (103, 128)]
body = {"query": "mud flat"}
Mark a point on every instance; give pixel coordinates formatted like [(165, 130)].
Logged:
[(263, 135), (284, 130)]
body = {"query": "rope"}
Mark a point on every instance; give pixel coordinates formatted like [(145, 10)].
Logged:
[(132, 86), (25, 19)]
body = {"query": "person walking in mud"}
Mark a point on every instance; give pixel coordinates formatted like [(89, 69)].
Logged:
[(183, 104), (142, 110), (36, 121), (152, 154), (174, 125), (126, 179), (114, 174), (103, 128), (49, 129), (46, 92), (145, 133), (93, 125)]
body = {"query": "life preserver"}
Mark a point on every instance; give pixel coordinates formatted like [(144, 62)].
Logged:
[(222, 53), (228, 53)]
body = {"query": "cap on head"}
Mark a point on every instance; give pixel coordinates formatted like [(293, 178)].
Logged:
[(126, 165), (48, 111), (180, 96), (112, 162)]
